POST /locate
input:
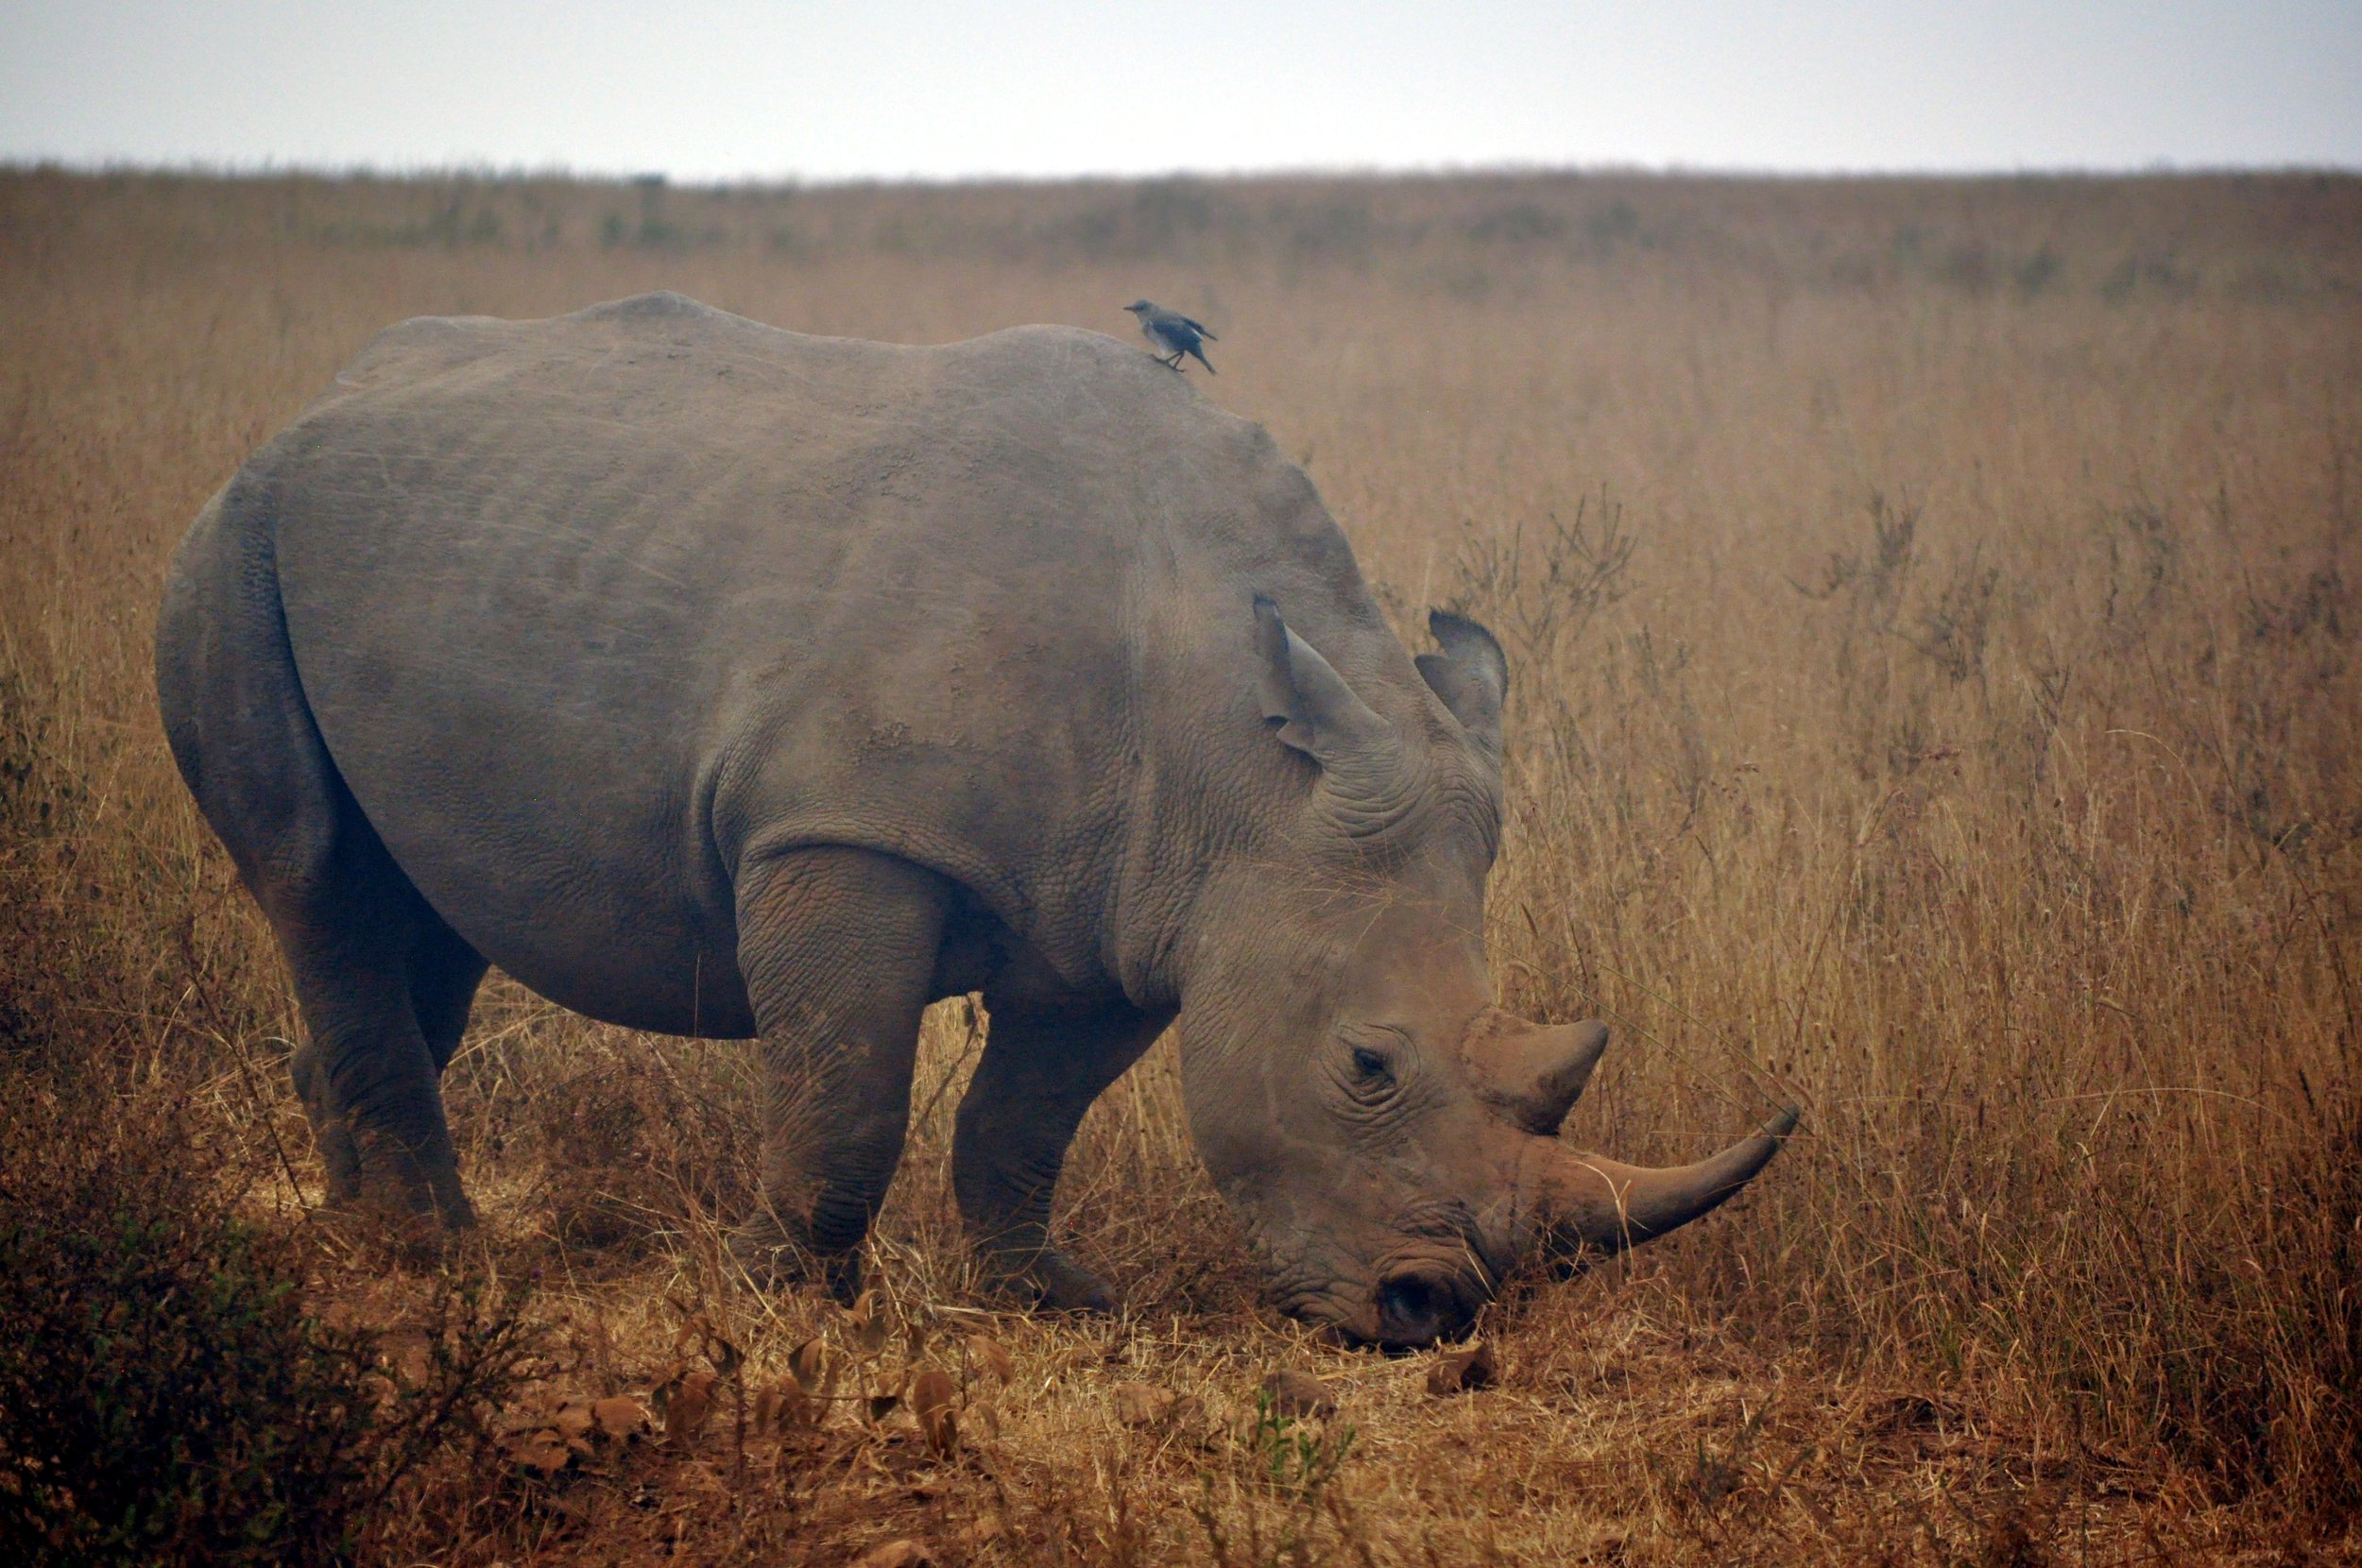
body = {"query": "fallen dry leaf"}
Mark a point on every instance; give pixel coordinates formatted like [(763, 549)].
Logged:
[(621, 1417), (703, 1477), (1144, 1404), (870, 1322), (685, 1411), (543, 1450), (1462, 1372), (407, 1353), (931, 1389), (897, 1554), (989, 1356), (930, 1401), (886, 1396), (1299, 1394), (795, 1407), (809, 1366)]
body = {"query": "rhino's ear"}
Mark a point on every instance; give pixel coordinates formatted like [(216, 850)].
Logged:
[(1308, 706), (1470, 676)]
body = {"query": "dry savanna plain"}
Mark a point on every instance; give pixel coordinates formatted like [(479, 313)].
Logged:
[(1936, 627)]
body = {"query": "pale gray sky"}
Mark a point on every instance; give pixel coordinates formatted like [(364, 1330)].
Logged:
[(723, 89)]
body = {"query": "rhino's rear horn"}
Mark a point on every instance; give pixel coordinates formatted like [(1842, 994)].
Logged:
[(1532, 1073), (1310, 707)]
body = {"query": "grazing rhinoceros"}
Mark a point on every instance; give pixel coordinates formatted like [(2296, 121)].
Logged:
[(719, 681)]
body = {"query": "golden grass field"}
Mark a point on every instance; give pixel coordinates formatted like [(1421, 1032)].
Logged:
[(1935, 700)]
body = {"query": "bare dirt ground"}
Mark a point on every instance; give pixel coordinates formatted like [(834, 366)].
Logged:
[(1935, 703)]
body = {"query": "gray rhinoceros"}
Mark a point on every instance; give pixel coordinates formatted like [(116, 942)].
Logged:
[(720, 681)]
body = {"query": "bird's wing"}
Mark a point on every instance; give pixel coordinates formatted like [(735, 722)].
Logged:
[(1199, 327)]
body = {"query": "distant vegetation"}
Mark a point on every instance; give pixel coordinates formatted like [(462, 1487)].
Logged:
[(1934, 623)]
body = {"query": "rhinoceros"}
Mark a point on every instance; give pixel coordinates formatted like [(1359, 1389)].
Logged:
[(720, 681)]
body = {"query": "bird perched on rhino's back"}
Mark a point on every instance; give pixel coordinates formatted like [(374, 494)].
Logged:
[(1172, 335)]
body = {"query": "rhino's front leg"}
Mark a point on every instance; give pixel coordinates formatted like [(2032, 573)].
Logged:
[(1044, 1063), (837, 946)]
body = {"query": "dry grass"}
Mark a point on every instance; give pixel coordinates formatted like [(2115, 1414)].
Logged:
[(1936, 696)]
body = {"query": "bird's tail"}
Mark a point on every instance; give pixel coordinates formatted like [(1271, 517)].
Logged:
[(1203, 360)]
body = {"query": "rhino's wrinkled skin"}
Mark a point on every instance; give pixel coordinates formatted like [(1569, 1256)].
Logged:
[(717, 680)]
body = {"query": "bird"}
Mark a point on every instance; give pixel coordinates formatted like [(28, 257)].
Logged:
[(1172, 335)]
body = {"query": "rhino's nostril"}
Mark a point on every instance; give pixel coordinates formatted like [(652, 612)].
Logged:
[(1418, 1309)]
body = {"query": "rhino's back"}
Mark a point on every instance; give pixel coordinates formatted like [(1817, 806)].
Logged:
[(589, 608)]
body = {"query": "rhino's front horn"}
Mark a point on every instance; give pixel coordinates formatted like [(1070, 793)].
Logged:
[(1588, 1202), (1532, 1073)]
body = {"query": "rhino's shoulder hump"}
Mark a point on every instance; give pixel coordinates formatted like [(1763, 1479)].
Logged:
[(410, 358), (1039, 395), (658, 304), (668, 321), (425, 346), (1090, 377)]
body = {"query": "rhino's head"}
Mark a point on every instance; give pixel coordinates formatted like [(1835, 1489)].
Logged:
[(1390, 1136)]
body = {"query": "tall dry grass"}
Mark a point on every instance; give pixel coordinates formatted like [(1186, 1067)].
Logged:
[(1934, 702)]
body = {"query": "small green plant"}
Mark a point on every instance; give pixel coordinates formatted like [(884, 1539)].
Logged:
[(1704, 1480), (1293, 1458), (1274, 1517)]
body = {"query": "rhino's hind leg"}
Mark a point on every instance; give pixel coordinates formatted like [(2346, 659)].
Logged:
[(333, 1140), (366, 951), (443, 973), (1044, 1063), (838, 947), (369, 958)]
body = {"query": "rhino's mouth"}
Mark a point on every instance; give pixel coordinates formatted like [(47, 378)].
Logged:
[(1432, 1273), (1418, 1306), (1412, 1306)]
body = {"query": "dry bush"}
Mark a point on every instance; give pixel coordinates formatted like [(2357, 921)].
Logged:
[(1934, 702), (166, 1397), (170, 1389), (179, 1382)]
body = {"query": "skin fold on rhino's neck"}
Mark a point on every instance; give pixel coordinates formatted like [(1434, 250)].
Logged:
[(1233, 847), (1264, 971)]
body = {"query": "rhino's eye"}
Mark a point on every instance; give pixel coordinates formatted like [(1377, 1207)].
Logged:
[(1369, 1069)]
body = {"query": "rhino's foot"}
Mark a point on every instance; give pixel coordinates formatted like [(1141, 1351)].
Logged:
[(775, 1261), (409, 1188), (338, 1155), (406, 1184), (405, 1218), (1057, 1283), (418, 1224), (395, 1233)]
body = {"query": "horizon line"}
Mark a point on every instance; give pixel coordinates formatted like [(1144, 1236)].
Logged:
[(491, 170)]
